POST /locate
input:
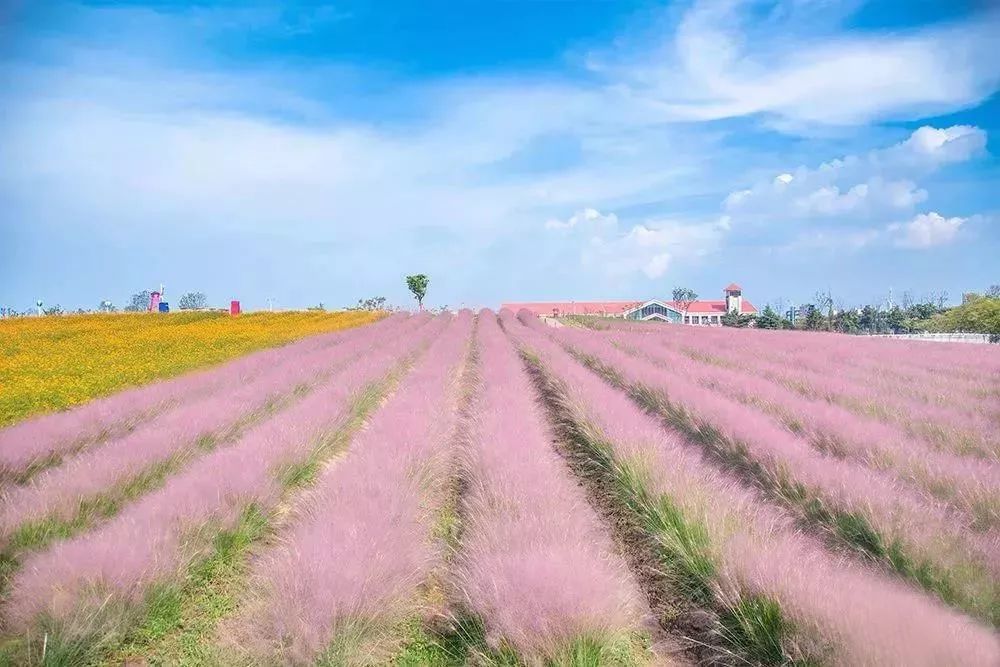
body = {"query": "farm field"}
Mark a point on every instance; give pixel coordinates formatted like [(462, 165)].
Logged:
[(51, 363), (490, 490)]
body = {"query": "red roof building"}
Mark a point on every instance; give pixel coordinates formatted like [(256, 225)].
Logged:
[(697, 312)]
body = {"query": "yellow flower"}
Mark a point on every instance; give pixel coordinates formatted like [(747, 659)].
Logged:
[(50, 363)]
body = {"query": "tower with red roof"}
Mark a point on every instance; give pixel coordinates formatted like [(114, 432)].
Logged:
[(734, 298)]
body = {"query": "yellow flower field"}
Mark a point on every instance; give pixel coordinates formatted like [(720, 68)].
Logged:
[(49, 363)]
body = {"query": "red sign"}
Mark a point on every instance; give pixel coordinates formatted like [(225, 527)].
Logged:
[(234, 307)]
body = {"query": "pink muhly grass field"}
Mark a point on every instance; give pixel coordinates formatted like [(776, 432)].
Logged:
[(60, 489), (536, 565), (972, 485), (907, 403), (964, 364), (897, 512), (61, 433), (148, 540), (354, 559), (864, 618), (882, 371)]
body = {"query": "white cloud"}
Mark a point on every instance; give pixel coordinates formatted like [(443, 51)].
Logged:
[(872, 197), (867, 188), (927, 230), (587, 215), (649, 248), (957, 143)]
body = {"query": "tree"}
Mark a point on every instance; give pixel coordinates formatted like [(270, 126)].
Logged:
[(993, 292), (739, 320), (814, 319), (372, 303), (824, 301), (54, 310), (847, 321), (418, 285), (940, 298), (869, 319), (906, 301), (107, 307), (138, 302), (192, 301), (768, 319), (895, 319), (684, 297), (979, 316)]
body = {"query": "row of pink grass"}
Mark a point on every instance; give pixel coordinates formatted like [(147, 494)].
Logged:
[(145, 543), (896, 511), (365, 541), (60, 489), (863, 617), (971, 483), (62, 432), (536, 563)]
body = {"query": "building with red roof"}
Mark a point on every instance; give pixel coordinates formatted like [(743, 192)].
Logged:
[(697, 312)]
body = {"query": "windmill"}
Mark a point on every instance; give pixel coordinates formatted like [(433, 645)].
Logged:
[(154, 299)]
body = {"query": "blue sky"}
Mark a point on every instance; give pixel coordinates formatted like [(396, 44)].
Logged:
[(514, 150)]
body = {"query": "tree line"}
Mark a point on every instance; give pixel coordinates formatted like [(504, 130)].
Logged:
[(978, 313)]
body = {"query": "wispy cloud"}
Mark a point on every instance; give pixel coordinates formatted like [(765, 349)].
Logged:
[(723, 65)]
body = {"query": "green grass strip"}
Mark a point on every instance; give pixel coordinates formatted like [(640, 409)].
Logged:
[(969, 587), (463, 642)]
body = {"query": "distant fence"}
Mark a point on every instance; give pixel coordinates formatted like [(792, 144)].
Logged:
[(939, 337)]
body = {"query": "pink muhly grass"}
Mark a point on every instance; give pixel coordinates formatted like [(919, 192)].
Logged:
[(885, 366), (61, 433), (825, 376), (861, 617), (958, 362), (896, 511), (971, 485), (898, 514), (147, 542), (353, 562), (60, 489), (536, 564)]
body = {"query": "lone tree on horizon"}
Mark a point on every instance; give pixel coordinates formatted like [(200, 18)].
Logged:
[(418, 285), (684, 297)]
